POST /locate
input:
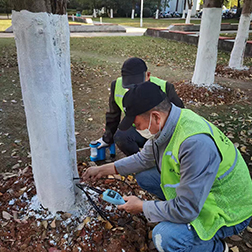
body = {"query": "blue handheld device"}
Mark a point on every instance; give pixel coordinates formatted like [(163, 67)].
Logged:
[(113, 197), (100, 154)]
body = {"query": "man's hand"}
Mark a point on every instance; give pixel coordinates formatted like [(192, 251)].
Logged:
[(133, 205), (102, 143), (95, 172)]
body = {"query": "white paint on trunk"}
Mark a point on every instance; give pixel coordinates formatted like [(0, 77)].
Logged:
[(94, 13), (188, 17), (141, 14), (132, 13), (43, 52), (237, 54), (157, 12), (111, 13), (184, 11), (205, 65)]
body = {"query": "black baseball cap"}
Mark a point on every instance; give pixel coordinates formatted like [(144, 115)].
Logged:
[(138, 100), (133, 71)]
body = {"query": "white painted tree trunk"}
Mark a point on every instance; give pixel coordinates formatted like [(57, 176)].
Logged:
[(188, 17), (184, 11), (157, 12), (132, 13), (94, 13), (111, 13), (205, 65), (237, 54), (43, 52), (141, 14)]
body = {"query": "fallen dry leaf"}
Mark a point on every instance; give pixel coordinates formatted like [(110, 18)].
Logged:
[(235, 238), (6, 215), (235, 249)]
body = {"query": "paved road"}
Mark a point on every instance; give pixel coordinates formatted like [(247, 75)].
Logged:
[(130, 31)]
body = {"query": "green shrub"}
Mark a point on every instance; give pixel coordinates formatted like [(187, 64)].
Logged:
[(87, 12)]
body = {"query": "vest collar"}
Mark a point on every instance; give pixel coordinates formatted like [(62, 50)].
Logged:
[(169, 126)]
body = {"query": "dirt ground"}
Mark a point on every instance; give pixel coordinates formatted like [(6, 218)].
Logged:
[(229, 108)]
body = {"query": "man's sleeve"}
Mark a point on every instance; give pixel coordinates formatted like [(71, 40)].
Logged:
[(142, 160), (199, 163), (173, 96), (113, 117)]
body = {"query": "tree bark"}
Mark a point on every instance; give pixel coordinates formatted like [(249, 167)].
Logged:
[(49, 6), (204, 71), (237, 54), (212, 3)]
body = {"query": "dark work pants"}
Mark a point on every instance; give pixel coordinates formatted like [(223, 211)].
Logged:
[(129, 141)]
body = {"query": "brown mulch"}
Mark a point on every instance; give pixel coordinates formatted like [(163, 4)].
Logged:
[(223, 71), (23, 229), (216, 95), (26, 230)]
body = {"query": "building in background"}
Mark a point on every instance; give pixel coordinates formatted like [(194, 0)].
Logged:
[(180, 5)]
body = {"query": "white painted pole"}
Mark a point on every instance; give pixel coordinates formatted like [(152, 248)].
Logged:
[(94, 13), (237, 54), (183, 15), (100, 20), (111, 13), (188, 17), (73, 17), (205, 65), (43, 53), (157, 12), (141, 14), (132, 13)]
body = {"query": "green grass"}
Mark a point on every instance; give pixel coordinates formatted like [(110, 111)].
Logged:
[(4, 24), (147, 22), (151, 22), (153, 50)]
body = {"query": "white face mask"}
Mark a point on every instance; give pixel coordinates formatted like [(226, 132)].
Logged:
[(146, 132)]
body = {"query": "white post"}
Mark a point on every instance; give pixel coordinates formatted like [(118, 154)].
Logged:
[(157, 12), (94, 13), (43, 53), (73, 17), (183, 15), (111, 13), (204, 70), (132, 13), (188, 17), (100, 20), (237, 54), (141, 14)]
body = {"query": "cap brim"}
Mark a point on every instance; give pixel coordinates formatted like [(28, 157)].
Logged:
[(126, 123), (132, 79)]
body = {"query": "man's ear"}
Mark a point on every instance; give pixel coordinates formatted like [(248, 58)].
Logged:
[(157, 116), (148, 74)]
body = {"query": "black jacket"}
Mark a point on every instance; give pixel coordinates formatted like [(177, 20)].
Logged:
[(113, 116)]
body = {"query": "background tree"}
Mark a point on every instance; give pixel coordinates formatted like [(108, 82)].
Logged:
[(6, 7), (237, 54), (189, 12), (206, 60), (43, 53)]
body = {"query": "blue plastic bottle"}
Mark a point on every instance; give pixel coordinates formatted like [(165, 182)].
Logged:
[(100, 154)]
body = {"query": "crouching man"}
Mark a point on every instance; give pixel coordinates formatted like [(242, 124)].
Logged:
[(201, 179)]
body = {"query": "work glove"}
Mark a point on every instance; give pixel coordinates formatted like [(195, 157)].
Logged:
[(103, 144)]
